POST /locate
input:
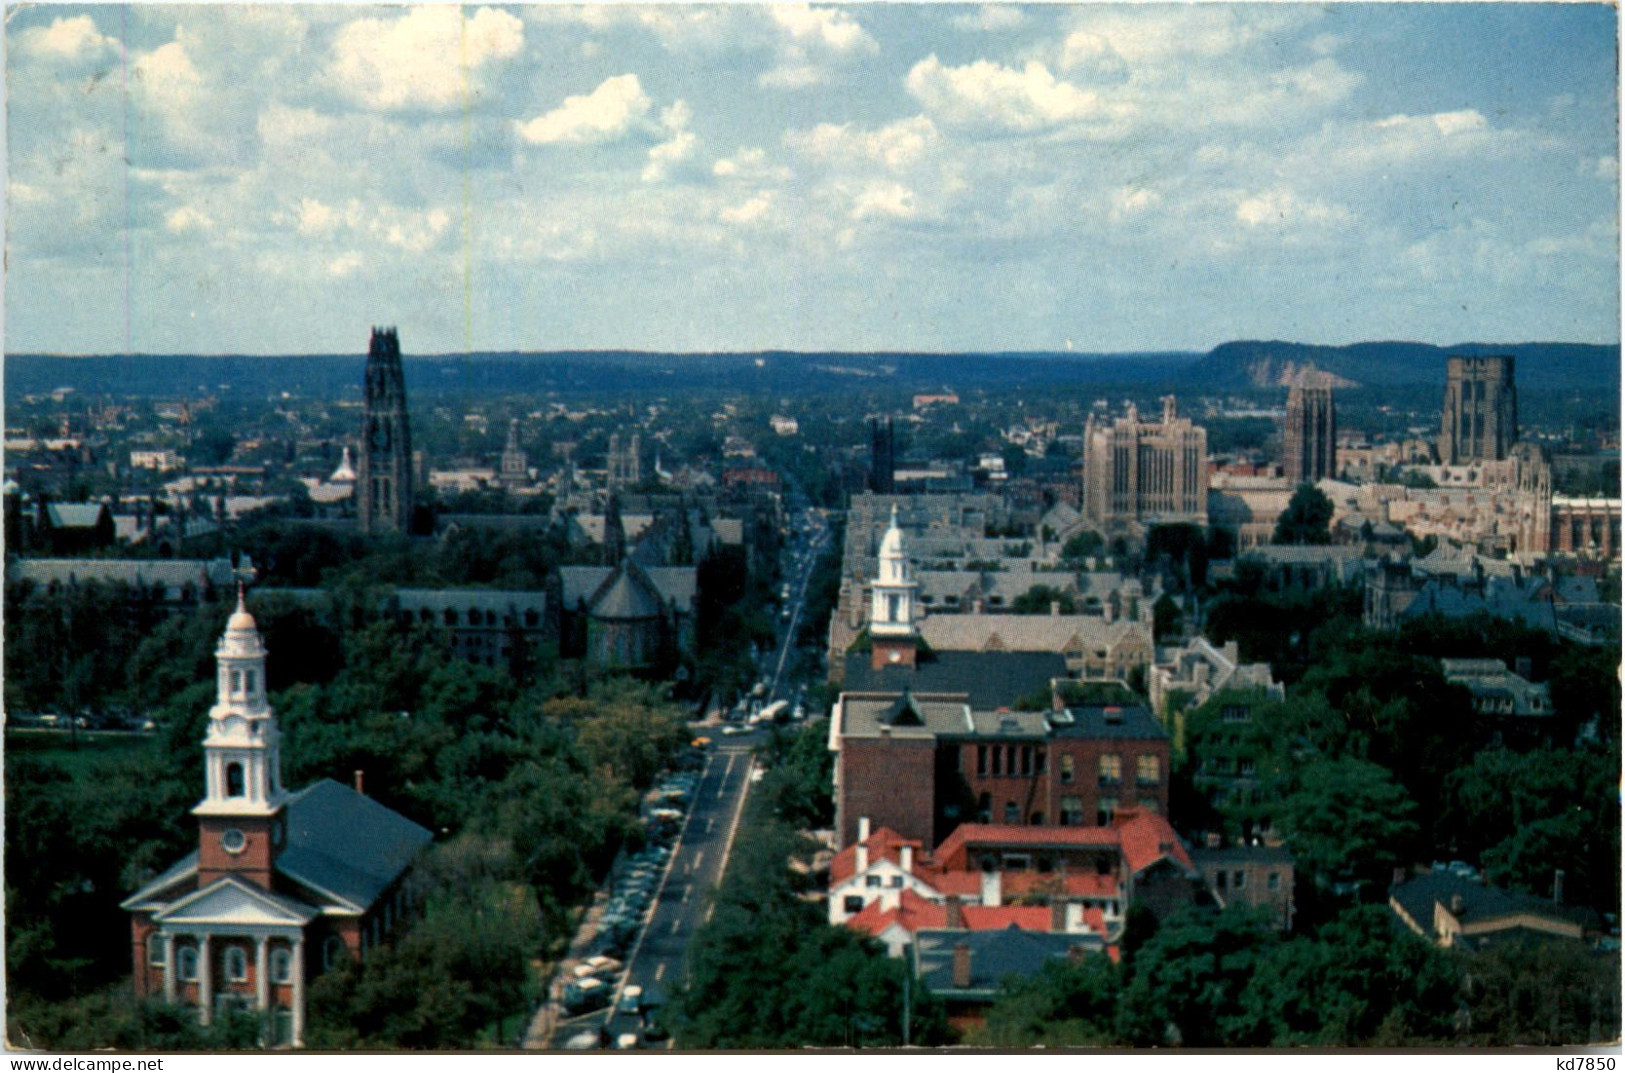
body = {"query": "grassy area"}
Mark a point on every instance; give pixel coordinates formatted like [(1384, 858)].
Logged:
[(57, 747)]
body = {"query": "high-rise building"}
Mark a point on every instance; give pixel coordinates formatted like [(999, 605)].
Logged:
[(1480, 420), (1137, 474), (385, 491), (882, 456), (1310, 434)]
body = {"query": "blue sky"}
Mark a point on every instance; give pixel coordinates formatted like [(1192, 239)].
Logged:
[(876, 176)]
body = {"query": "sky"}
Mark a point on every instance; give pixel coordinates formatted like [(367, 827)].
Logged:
[(278, 179)]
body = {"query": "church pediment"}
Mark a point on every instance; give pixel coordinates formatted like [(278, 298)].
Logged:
[(230, 900)]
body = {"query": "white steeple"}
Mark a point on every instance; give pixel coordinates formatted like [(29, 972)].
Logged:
[(345, 474), (891, 609), (242, 753)]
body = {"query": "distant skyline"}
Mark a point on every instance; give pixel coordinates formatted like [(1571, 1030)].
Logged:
[(278, 179)]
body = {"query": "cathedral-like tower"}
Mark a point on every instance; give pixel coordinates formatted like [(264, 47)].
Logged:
[(385, 491), (1310, 435), (240, 819), (1480, 418)]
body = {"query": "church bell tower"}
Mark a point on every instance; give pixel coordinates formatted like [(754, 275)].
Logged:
[(385, 484), (241, 817), (891, 608)]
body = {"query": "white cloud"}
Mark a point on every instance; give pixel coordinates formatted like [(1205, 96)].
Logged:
[(280, 125), (344, 265), (1129, 201), (166, 76), (810, 40), (898, 145), (886, 199), (990, 18), (412, 230), (608, 112), (74, 39), (1092, 55), (747, 212), (186, 218), (1282, 208), (986, 94), (749, 163), (674, 150), (428, 58)]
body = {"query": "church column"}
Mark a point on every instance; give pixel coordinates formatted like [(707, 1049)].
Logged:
[(298, 969), (205, 979), (169, 967), (262, 985)]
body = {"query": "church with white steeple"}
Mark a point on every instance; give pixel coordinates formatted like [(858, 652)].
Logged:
[(281, 884)]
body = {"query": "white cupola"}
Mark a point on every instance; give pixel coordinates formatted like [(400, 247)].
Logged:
[(242, 754), (891, 609)]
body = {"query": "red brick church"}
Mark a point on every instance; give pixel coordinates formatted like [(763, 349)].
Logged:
[(281, 883)]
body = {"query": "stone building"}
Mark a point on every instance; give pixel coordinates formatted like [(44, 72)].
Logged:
[(1310, 436), (1137, 474), (1480, 419), (385, 475)]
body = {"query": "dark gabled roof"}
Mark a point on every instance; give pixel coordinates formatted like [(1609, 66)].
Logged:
[(989, 679), (994, 956), (1479, 902), (905, 713), (1118, 721), (626, 595), (346, 845)]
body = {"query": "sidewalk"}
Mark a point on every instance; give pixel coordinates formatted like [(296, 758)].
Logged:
[(539, 1036)]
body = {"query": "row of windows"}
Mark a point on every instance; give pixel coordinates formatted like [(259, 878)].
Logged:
[(475, 617), (234, 963), (1237, 880), (1000, 760)]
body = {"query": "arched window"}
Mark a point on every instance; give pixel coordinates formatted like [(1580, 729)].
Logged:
[(248, 682), (186, 962), (155, 951), (281, 966), (236, 964), (234, 779), (451, 617)]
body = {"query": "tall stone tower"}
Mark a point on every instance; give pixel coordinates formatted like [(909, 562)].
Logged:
[(1311, 434), (882, 456), (1480, 421), (515, 463), (385, 491)]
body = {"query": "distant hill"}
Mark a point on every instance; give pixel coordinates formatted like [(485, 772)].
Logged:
[(624, 372), (1539, 366)]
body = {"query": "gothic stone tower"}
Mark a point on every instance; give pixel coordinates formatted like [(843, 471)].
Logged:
[(386, 439), (1311, 434), (1480, 420)]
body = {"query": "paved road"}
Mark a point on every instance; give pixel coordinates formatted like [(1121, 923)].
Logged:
[(684, 899)]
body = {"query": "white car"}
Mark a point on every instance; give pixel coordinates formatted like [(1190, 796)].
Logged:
[(582, 1041), (627, 1041)]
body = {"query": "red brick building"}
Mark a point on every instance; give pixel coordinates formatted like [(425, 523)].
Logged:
[(281, 883), (924, 764)]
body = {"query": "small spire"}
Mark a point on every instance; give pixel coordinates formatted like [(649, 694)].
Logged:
[(241, 606)]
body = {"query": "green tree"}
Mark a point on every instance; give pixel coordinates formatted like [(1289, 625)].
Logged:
[(1348, 820), (1070, 1003), (1038, 599), (1167, 622), (1307, 518), (1081, 546), (1190, 977)]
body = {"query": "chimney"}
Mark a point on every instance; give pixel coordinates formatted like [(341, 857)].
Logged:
[(1557, 887), (861, 864), (863, 828), (1399, 876), (956, 914), (990, 889), (358, 781), (961, 965), (907, 855)]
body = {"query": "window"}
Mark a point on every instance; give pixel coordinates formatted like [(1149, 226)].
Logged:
[(1219, 880), (1067, 770), (1038, 760), (1147, 769), (893, 602), (981, 760), (236, 964), (332, 950), (1245, 767), (1238, 880), (186, 962), (1071, 812), (1236, 713), (281, 966), (1111, 768), (1104, 809), (236, 682), (155, 951), (984, 808), (896, 881), (1012, 812), (234, 780), (1026, 759), (853, 903), (998, 760), (871, 881)]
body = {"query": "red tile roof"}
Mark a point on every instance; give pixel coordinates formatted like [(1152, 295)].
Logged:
[(884, 844), (1147, 839), (1071, 884), (912, 913), (991, 918), (953, 850)]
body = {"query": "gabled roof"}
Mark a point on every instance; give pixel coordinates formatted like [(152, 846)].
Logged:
[(1481, 906), (627, 594), (345, 845), (1147, 839), (991, 917), (148, 897), (994, 956), (956, 846), (884, 844), (911, 914), (231, 900)]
